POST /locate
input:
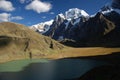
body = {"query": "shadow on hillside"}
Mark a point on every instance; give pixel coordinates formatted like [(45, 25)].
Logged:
[(106, 44), (4, 40)]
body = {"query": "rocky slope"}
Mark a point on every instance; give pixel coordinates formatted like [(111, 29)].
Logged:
[(18, 41)]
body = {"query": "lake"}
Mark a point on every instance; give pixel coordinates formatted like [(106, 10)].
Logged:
[(43, 69)]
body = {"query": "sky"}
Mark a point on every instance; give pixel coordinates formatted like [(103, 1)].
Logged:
[(30, 12)]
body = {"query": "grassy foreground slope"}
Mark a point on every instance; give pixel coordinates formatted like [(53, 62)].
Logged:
[(18, 42)]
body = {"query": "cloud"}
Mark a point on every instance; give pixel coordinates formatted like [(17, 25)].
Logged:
[(39, 6), (16, 18), (52, 13), (6, 5), (24, 1), (5, 17), (44, 17)]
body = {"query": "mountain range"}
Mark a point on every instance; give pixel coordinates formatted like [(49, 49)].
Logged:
[(77, 28)]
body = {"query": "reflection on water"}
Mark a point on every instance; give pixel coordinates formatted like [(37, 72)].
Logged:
[(63, 69)]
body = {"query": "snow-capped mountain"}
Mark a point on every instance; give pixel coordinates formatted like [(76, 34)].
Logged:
[(64, 23), (59, 16), (112, 11), (76, 26), (68, 16), (111, 7), (75, 13), (42, 27)]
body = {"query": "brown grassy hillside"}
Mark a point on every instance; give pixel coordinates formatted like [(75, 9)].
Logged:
[(18, 41)]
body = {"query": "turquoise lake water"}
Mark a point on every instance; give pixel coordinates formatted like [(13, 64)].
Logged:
[(42, 69)]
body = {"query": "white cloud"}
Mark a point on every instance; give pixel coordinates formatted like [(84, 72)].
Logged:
[(52, 13), (6, 5), (16, 18), (39, 6), (44, 17), (5, 17), (22, 1)]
